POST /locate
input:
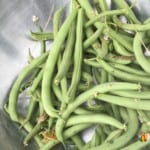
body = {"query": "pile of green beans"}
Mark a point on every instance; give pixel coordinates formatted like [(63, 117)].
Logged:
[(96, 74)]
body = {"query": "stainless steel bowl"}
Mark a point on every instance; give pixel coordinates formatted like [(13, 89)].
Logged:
[(15, 24)]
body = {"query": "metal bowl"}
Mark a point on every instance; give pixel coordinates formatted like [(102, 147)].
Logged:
[(15, 24)]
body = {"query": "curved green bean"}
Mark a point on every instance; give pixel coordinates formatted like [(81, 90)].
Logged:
[(41, 36), (56, 21), (104, 14), (77, 58), (132, 94), (125, 102), (137, 47), (50, 65), (66, 61), (13, 96), (96, 118)]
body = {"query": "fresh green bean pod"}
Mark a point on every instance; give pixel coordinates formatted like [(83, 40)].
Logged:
[(113, 135), (41, 36), (137, 47), (104, 76), (103, 5), (77, 58), (120, 49), (132, 94), (91, 39), (104, 14), (13, 96), (33, 132), (66, 58), (132, 27), (51, 63), (56, 21), (36, 81), (96, 118), (78, 141), (125, 102), (129, 69), (96, 45)]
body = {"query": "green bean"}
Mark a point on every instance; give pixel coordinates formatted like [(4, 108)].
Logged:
[(95, 139), (90, 51), (132, 94), (114, 134), (96, 75), (106, 129), (56, 21), (104, 14), (116, 112), (136, 145), (143, 116), (57, 91), (141, 59), (125, 102), (41, 109), (15, 89), (50, 65), (91, 39), (120, 49), (66, 61), (104, 76), (129, 69), (133, 27), (123, 75), (36, 81), (103, 5), (104, 47), (82, 111), (96, 45), (86, 95), (30, 57), (111, 78), (124, 114), (50, 123), (123, 4), (119, 59), (77, 58), (31, 108), (126, 137), (101, 133), (83, 87), (34, 131), (41, 36), (78, 142)]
